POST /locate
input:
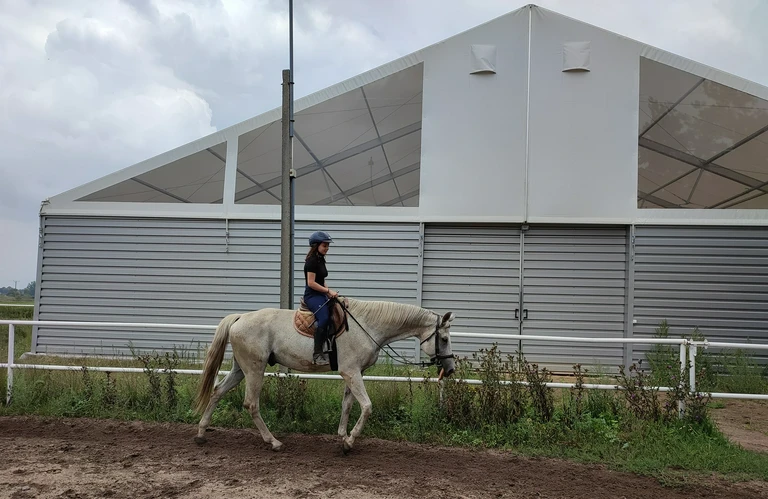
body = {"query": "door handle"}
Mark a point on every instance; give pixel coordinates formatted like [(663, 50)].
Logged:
[(525, 314), (517, 313)]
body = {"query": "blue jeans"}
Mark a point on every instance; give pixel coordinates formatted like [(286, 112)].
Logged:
[(314, 301)]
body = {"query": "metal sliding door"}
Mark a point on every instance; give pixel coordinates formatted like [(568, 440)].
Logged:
[(474, 271), (574, 284)]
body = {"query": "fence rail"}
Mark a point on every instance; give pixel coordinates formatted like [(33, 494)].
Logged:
[(688, 351)]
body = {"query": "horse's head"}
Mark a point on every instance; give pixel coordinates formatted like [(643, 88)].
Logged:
[(439, 349)]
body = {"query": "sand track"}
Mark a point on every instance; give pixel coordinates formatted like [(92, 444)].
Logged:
[(85, 458)]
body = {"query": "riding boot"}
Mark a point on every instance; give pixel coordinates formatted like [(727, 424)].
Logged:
[(319, 357)]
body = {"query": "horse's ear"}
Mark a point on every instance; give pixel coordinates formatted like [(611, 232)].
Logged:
[(448, 318)]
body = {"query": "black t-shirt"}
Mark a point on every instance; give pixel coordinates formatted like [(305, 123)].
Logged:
[(316, 264)]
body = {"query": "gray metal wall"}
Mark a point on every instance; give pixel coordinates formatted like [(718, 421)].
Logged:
[(574, 280), (713, 278), (195, 272), (574, 284)]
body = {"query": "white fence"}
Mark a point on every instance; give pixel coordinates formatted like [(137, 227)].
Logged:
[(688, 351)]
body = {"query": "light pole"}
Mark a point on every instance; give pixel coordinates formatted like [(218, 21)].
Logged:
[(288, 175)]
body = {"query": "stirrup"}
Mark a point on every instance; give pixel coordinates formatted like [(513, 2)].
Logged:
[(320, 359)]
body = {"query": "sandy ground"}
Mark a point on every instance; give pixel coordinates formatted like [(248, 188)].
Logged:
[(83, 458), (744, 422)]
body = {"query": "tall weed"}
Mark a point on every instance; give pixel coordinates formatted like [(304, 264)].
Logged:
[(540, 394), (500, 399)]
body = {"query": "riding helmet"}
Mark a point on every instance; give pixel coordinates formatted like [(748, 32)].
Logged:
[(320, 237)]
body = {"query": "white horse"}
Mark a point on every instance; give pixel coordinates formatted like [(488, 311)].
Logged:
[(268, 336)]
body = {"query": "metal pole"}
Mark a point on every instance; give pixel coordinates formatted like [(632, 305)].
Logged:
[(681, 403), (292, 172), (287, 190), (11, 341), (692, 350), (285, 215), (290, 64)]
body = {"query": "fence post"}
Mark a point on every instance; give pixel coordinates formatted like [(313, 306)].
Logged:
[(692, 350), (681, 403), (11, 342)]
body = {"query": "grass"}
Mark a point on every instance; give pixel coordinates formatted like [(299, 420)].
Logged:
[(22, 300), (631, 430)]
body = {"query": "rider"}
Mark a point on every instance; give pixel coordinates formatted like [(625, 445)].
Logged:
[(316, 294)]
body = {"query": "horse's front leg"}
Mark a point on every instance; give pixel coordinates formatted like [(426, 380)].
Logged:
[(346, 407), (355, 384)]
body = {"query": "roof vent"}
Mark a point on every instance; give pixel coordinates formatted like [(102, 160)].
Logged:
[(576, 57), (483, 59)]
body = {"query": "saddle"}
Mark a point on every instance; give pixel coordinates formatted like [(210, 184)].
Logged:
[(305, 324)]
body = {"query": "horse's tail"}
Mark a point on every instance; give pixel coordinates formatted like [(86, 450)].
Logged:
[(213, 360)]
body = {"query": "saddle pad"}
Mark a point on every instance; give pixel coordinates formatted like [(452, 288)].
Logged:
[(303, 323), (304, 319)]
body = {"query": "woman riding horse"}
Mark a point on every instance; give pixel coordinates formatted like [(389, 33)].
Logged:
[(316, 294)]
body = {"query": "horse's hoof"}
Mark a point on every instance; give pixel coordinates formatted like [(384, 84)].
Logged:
[(200, 440), (278, 447), (345, 447)]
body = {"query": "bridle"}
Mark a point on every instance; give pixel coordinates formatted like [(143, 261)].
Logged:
[(437, 357)]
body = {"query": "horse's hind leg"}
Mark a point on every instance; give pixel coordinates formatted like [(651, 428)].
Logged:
[(230, 381), (254, 381)]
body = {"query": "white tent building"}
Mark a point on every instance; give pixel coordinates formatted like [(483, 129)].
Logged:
[(535, 174)]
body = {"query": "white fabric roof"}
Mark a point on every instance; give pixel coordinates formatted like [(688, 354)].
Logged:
[(703, 143), (361, 148)]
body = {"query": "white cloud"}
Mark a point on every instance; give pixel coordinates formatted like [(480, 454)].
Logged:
[(87, 101), (88, 88)]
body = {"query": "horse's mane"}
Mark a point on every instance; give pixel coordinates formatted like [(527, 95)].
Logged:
[(391, 314)]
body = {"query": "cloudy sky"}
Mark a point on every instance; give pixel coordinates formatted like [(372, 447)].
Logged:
[(88, 87)]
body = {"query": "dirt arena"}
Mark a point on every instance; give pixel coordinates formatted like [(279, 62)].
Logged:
[(83, 458)]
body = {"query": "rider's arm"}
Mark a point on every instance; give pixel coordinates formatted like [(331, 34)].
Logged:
[(314, 285)]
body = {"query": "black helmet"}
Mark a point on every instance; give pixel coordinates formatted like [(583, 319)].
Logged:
[(320, 237)]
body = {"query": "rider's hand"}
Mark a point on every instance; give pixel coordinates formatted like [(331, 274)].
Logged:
[(332, 294)]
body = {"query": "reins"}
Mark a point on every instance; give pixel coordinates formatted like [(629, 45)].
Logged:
[(399, 358)]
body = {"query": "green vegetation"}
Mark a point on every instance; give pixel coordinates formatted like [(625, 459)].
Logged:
[(13, 295), (731, 371), (635, 429)]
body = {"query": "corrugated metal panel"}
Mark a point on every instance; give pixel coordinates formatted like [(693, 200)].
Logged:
[(151, 270), (367, 261), (191, 272), (574, 284), (474, 271), (713, 278)]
